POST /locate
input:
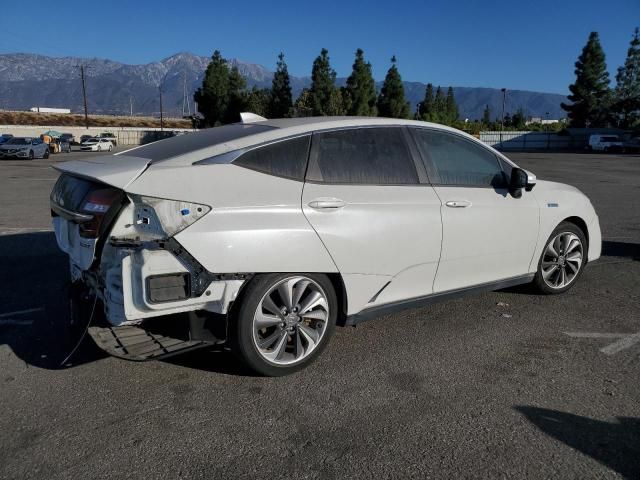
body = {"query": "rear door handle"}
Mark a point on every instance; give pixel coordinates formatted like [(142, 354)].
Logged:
[(458, 203), (327, 203)]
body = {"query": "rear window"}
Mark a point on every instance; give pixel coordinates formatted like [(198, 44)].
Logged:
[(174, 146)]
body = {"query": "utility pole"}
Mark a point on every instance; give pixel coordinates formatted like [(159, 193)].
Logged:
[(84, 96), (161, 118), (504, 99), (130, 106)]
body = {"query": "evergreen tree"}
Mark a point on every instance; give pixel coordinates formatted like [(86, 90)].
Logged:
[(590, 93), (439, 107), (425, 108), (335, 107), (518, 120), (391, 102), (451, 108), (257, 100), (323, 79), (213, 97), (281, 102), (627, 92), (359, 95), (303, 106), (237, 96), (486, 115)]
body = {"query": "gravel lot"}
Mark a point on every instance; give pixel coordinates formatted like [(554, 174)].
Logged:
[(485, 387)]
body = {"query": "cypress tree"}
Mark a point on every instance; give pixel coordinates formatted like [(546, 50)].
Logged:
[(391, 102), (439, 107), (281, 101), (359, 95), (237, 96), (424, 111), (486, 115), (451, 107), (590, 93), (323, 79), (627, 92), (212, 97)]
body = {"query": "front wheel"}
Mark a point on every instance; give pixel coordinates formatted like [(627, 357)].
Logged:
[(284, 321), (46, 154), (110, 147), (31, 155), (562, 260), (99, 148)]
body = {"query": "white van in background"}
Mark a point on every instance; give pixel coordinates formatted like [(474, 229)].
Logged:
[(605, 143)]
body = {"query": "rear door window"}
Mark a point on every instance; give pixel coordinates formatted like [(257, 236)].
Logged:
[(286, 158), (370, 156), (454, 160)]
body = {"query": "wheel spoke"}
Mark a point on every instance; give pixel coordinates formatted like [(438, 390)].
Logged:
[(299, 346), (298, 291), (574, 268), (313, 299), (267, 342), (309, 334), (269, 305), (547, 273), (286, 293), (264, 320), (316, 314), (279, 349)]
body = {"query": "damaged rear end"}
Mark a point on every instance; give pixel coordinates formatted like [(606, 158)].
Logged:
[(122, 250)]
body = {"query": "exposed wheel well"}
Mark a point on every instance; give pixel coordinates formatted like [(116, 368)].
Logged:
[(341, 293)]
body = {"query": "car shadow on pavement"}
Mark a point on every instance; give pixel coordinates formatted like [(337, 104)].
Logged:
[(34, 306), (621, 249), (614, 444)]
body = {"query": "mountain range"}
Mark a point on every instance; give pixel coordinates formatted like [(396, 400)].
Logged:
[(28, 80)]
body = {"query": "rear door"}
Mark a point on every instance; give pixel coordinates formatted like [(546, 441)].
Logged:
[(369, 202), (488, 235)]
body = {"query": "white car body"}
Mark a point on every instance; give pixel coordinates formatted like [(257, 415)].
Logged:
[(24, 148), (97, 145), (604, 143), (388, 246)]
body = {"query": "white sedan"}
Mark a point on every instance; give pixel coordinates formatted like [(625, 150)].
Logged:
[(269, 233), (97, 145)]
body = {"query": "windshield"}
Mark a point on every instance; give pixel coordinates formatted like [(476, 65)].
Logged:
[(609, 139), (18, 141), (174, 146)]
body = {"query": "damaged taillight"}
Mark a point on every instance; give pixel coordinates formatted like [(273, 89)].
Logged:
[(161, 218), (97, 203)]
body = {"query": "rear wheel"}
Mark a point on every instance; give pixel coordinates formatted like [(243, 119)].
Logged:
[(46, 153), (284, 321), (562, 260)]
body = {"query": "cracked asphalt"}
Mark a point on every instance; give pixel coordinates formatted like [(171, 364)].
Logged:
[(488, 386)]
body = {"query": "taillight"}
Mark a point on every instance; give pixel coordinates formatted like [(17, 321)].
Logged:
[(97, 203)]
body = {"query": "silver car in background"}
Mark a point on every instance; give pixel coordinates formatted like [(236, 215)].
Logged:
[(24, 148)]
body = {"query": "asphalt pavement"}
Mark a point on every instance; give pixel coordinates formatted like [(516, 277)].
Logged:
[(505, 384)]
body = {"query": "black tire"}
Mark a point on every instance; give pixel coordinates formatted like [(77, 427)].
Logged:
[(46, 154), (538, 282), (241, 323), (110, 147), (30, 154)]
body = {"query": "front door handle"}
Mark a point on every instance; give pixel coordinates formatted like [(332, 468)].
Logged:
[(458, 203), (327, 203)]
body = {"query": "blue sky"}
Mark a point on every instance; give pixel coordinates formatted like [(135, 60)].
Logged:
[(529, 45)]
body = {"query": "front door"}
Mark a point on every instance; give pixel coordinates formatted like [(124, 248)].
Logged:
[(487, 234)]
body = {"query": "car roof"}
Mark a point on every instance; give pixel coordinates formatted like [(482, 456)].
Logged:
[(206, 143)]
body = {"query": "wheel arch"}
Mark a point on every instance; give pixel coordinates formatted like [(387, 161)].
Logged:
[(582, 225)]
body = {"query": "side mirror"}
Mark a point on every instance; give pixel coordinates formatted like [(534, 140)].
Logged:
[(517, 182), (531, 181)]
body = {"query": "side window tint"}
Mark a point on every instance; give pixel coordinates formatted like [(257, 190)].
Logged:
[(459, 161), (373, 156), (287, 158)]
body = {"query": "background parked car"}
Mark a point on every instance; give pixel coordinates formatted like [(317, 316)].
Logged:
[(109, 136), (632, 146), (68, 137), (97, 145), (5, 137), (605, 143), (84, 138), (24, 147)]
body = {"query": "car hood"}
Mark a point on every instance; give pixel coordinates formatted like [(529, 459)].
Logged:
[(4, 146), (115, 170)]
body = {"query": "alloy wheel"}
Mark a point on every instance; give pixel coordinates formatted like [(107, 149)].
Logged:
[(290, 320), (562, 260)]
